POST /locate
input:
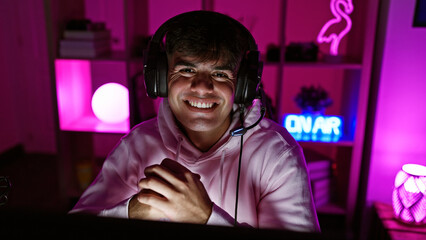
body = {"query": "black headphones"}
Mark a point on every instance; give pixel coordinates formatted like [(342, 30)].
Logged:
[(156, 66)]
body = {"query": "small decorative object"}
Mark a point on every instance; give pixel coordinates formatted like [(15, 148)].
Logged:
[(340, 10), (301, 52), (313, 99), (84, 174), (85, 39), (272, 53), (409, 194), (5, 186)]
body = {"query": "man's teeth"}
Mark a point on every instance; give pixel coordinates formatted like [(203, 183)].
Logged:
[(200, 105)]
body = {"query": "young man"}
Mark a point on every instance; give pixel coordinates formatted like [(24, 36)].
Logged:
[(184, 165)]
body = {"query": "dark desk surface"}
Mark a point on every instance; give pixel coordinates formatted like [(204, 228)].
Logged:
[(395, 229), (20, 225)]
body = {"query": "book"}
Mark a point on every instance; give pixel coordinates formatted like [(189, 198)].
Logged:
[(321, 191), (316, 161), (322, 200), (83, 52), (74, 43), (87, 35), (319, 184), (319, 174)]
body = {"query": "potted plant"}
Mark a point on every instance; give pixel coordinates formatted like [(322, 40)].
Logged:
[(313, 100)]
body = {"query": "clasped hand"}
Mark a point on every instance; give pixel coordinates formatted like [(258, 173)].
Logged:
[(171, 192)]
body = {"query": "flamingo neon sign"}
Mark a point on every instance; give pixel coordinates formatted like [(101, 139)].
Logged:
[(341, 10)]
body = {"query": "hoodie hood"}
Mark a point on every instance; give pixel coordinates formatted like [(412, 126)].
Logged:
[(177, 142)]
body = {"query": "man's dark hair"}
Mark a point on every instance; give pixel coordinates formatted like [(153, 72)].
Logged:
[(209, 38)]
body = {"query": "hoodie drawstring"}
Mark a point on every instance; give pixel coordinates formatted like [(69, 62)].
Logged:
[(179, 145), (222, 161)]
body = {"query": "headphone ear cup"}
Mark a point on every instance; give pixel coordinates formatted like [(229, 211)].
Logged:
[(162, 71), (249, 76), (241, 89), (155, 71)]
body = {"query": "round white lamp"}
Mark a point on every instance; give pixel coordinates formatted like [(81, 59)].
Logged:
[(110, 103)]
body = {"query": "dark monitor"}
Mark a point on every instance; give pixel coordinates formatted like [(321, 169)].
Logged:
[(420, 14), (21, 225)]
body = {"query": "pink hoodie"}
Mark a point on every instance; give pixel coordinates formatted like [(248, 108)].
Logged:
[(274, 185)]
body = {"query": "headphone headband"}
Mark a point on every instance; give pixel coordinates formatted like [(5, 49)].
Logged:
[(156, 66), (164, 28)]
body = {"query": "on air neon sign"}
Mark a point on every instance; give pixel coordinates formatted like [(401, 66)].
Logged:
[(308, 127)]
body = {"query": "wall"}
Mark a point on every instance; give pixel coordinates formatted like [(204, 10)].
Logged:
[(8, 127), (26, 108), (400, 125)]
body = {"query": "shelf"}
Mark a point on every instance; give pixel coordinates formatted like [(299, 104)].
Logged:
[(112, 56), (340, 143), (331, 208), (90, 123), (319, 64), (341, 65)]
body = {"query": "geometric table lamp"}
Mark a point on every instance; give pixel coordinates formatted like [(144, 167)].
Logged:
[(409, 194)]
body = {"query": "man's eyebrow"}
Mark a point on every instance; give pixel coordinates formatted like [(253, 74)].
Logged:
[(184, 63), (226, 67)]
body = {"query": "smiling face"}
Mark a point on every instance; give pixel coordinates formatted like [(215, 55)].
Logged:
[(201, 95)]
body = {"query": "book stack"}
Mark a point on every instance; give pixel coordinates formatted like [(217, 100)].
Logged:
[(319, 170), (84, 39)]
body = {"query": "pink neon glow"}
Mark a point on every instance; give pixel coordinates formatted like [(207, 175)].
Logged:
[(338, 15), (74, 95), (110, 103), (73, 88), (409, 194)]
